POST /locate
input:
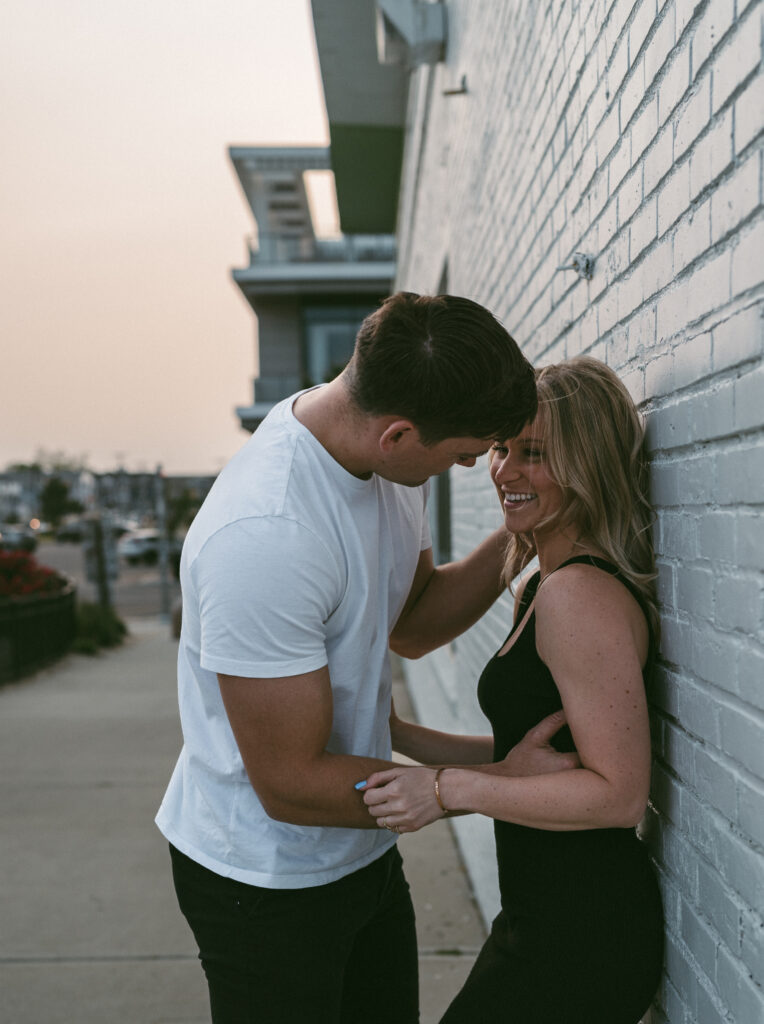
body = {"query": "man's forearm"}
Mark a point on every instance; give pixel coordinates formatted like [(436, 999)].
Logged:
[(320, 792)]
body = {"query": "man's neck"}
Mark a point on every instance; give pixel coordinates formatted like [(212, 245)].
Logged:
[(328, 413)]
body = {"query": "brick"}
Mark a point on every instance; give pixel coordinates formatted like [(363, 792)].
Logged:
[(619, 66), (714, 656), (709, 286), (693, 117), (749, 530), (607, 135), (737, 990), (750, 673), (673, 197), (674, 85), (641, 24), (678, 751), (693, 236), (695, 592), (749, 399), (659, 377), (707, 1007), (742, 736), (699, 714), (752, 941), (718, 536), (658, 161), (644, 129), (659, 47), (643, 229), (676, 644), (748, 108), (737, 603), (714, 23), (718, 905), (685, 12), (735, 199), (712, 413), (739, 338), (699, 938), (692, 360), (746, 260), (664, 584), (711, 156), (682, 976), (740, 866), (665, 794), (633, 94), (657, 268), (641, 327), (740, 476), (671, 313), (630, 195), (619, 164), (739, 58), (751, 816), (668, 428)]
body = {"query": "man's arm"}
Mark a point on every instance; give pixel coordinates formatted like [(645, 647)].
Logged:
[(445, 601), (282, 727)]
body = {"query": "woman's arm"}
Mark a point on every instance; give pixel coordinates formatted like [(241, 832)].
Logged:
[(593, 637), (429, 746)]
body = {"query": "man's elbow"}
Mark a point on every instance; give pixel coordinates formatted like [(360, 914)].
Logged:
[(408, 647)]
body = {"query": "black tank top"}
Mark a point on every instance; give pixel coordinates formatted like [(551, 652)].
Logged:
[(541, 868)]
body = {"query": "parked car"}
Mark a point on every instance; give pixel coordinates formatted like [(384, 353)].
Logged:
[(139, 547), (15, 537), (73, 532)]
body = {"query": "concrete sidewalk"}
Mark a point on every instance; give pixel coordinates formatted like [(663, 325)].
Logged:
[(91, 932)]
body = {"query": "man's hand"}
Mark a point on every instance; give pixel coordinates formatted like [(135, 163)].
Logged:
[(534, 754)]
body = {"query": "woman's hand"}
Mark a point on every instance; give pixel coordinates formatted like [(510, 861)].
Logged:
[(402, 799), (535, 755)]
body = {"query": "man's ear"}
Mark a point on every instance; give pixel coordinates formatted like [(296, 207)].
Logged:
[(396, 433)]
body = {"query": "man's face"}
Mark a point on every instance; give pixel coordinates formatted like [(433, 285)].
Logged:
[(412, 463)]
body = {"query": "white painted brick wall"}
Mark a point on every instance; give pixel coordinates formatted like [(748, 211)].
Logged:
[(631, 130)]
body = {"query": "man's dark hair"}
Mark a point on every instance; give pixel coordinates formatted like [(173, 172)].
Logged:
[(446, 364)]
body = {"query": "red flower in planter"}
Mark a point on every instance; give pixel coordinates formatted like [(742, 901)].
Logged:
[(21, 575)]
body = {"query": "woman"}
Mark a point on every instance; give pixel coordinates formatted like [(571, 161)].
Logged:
[(579, 935)]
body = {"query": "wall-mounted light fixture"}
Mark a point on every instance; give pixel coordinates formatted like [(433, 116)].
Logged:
[(583, 264)]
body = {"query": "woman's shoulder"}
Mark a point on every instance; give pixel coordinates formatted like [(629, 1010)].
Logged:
[(583, 587), (585, 598)]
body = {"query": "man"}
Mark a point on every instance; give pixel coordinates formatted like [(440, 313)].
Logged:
[(309, 557)]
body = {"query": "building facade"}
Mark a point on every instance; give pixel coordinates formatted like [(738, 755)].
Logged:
[(309, 293), (591, 171)]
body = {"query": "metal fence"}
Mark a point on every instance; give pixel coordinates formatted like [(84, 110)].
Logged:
[(35, 630)]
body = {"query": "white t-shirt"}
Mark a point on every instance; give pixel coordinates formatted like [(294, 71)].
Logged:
[(291, 564)]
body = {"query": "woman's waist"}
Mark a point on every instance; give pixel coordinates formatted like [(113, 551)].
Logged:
[(541, 863)]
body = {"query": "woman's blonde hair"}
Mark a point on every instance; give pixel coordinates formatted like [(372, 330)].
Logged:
[(594, 449)]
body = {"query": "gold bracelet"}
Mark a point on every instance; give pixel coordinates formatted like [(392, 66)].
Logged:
[(437, 790)]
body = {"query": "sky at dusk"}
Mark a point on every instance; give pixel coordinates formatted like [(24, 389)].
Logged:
[(124, 339)]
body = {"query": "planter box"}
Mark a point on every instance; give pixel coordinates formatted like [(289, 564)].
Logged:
[(35, 630)]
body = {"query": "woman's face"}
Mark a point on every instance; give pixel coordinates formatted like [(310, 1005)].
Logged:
[(527, 492)]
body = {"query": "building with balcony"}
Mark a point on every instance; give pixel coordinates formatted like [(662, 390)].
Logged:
[(309, 288)]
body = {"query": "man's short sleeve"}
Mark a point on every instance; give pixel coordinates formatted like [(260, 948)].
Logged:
[(265, 587)]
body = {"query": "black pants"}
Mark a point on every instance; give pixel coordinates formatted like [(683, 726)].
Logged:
[(342, 953)]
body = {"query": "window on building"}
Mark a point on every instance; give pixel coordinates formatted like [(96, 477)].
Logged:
[(440, 517), (329, 335)]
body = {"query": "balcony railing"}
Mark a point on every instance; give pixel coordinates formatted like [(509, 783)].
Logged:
[(347, 249)]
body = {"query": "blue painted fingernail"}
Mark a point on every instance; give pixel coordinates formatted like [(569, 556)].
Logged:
[(360, 785)]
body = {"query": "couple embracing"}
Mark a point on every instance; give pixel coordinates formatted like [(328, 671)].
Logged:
[(310, 559)]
